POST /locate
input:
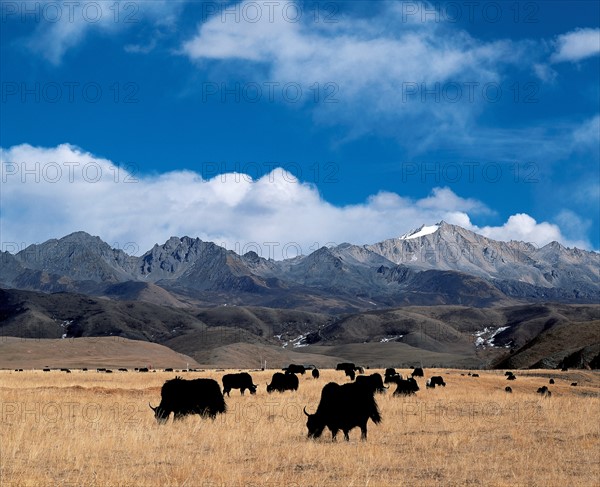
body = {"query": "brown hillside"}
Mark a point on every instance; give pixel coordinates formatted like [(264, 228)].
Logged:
[(30, 353)]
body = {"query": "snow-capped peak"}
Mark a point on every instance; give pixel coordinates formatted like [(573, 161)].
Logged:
[(420, 232)]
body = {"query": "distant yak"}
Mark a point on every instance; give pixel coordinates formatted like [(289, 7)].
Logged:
[(283, 382), (406, 387), (391, 375), (350, 369), (345, 366), (544, 391), (418, 372), (241, 381), (373, 382), (436, 380), (295, 369)]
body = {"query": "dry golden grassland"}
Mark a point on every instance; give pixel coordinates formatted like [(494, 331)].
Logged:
[(94, 429)]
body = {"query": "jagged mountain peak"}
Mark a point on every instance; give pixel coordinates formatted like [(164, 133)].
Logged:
[(78, 256), (251, 256), (79, 237), (555, 246), (174, 242)]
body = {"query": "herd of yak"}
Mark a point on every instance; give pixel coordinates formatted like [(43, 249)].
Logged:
[(342, 407)]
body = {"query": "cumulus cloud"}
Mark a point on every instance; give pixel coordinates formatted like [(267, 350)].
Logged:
[(577, 45), (524, 228), (51, 192)]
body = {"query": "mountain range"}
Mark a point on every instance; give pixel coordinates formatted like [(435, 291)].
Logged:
[(441, 264), (439, 295)]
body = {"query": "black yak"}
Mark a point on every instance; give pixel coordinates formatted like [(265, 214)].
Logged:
[(343, 407), (240, 381), (283, 382), (315, 373), (436, 380), (373, 382), (418, 372), (391, 375), (182, 397), (295, 369), (544, 391), (407, 387), (345, 366)]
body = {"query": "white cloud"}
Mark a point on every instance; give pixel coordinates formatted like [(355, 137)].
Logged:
[(524, 228), (587, 135), (544, 72), (51, 192), (573, 225), (577, 45), (389, 73), (63, 26)]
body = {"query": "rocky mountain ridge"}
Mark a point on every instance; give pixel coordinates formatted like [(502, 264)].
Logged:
[(439, 264)]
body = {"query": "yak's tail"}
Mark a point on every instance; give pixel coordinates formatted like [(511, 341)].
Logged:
[(375, 416)]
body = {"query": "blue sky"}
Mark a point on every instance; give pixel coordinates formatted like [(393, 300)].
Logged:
[(344, 121)]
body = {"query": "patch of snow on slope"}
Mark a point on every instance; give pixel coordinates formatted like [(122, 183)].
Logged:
[(485, 337), (420, 232), (296, 342), (390, 338)]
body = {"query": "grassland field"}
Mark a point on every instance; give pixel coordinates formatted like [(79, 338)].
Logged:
[(96, 429)]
